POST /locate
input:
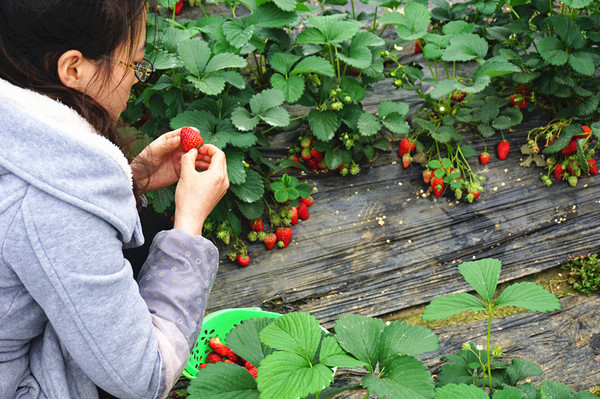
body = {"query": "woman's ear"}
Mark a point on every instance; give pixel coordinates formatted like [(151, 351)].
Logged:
[(74, 70)]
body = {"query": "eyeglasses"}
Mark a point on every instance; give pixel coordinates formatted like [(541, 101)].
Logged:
[(143, 70)]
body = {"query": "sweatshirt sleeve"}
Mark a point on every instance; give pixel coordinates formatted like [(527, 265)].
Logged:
[(129, 339), (175, 282)]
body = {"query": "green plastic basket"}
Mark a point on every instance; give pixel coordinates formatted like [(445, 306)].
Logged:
[(219, 324)]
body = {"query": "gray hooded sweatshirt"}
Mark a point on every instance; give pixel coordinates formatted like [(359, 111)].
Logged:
[(72, 317)]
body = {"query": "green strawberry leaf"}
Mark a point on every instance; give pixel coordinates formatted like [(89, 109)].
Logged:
[(311, 36), (333, 158), (313, 64), (368, 124), (449, 305), (520, 369), (495, 66), (466, 47), (555, 390), (582, 62), (395, 123), (360, 336), (357, 56), (462, 391), (483, 276), (552, 50), (387, 107), (298, 333), (529, 296), (285, 375), (403, 377), (243, 119), (244, 339), (171, 37), (332, 355), (165, 60), (323, 124), (265, 100), (212, 84), (568, 30), (236, 172), (405, 339), (283, 62), (453, 28), (412, 24), (268, 15), (286, 5), (578, 3), (563, 139), (277, 116), (444, 88), (253, 188), (236, 33), (292, 87), (223, 380), (334, 29), (194, 53), (251, 211), (234, 78)]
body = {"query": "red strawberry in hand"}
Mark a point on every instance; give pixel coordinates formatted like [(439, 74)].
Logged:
[(270, 241), (190, 138), (406, 147), (284, 236), (502, 149), (484, 158), (257, 225), (243, 260)]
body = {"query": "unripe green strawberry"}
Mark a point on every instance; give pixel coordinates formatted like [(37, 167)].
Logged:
[(572, 180)]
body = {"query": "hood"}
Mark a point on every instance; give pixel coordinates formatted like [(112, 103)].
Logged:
[(51, 147)]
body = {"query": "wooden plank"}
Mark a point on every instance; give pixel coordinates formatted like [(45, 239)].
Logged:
[(375, 245), (564, 343)]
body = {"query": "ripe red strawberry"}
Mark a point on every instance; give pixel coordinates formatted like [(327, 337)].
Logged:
[(178, 7), (270, 241), (587, 132), (523, 90), (257, 225), (427, 175), (284, 236), (251, 369), (303, 211), (458, 95), (293, 214), (214, 357), (406, 147), (316, 155), (308, 201), (221, 349), (243, 260), (570, 148), (418, 47), (559, 171), (484, 158), (519, 100), (438, 186), (312, 164), (406, 160), (190, 138), (592, 167), (502, 149), (203, 365)]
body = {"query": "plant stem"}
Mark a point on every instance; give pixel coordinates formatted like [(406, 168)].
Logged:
[(374, 21), (489, 354), (353, 12)]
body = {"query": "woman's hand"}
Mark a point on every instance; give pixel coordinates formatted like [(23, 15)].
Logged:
[(197, 193), (159, 164)]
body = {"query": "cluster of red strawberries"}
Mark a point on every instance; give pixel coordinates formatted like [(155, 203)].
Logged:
[(567, 166), (283, 235), (521, 97), (222, 353), (312, 157)]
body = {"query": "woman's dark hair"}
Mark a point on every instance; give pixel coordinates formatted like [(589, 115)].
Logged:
[(35, 33)]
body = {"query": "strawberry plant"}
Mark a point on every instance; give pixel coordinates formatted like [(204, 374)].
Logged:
[(564, 148), (477, 366), (455, 99), (584, 274)]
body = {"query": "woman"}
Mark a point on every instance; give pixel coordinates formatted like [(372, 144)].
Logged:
[(72, 317)]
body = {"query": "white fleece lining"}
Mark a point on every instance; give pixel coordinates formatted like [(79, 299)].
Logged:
[(63, 118)]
